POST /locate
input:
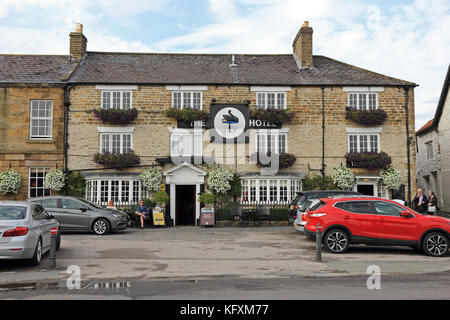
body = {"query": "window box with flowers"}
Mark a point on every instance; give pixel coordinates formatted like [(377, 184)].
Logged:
[(286, 160), (274, 116), (366, 117), (117, 161), (116, 116), (371, 161), (187, 114)]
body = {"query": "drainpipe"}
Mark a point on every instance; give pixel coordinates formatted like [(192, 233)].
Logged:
[(67, 89), (408, 143), (323, 132)]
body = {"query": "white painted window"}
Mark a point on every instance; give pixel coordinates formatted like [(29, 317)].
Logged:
[(363, 100), (116, 100), (187, 99), (364, 142), (260, 190), (186, 143), (272, 141), (36, 177), (429, 150), (116, 143), (121, 191), (41, 119), (271, 100)]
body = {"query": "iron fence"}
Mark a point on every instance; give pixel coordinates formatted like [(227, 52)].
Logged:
[(261, 211)]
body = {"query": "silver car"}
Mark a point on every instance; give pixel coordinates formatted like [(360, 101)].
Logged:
[(25, 230), (77, 214), (300, 221)]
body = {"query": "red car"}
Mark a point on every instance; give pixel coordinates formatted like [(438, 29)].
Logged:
[(375, 221)]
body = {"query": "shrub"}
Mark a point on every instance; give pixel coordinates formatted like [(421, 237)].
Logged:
[(116, 116), (55, 180), (206, 198), (161, 197), (366, 117), (279, 214), (343, 177), (117, 160), (368, 160), (220, 181), (151, 179), (75, 185), (391, 178), (318, 183)]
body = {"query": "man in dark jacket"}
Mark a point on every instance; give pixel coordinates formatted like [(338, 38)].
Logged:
[(420, 202)]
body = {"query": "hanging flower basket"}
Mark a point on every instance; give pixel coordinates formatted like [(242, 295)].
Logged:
[(274, 116), (10, 182), (117, 161), (368, 160), (219, 180), (151, 180), (116, 116), (366, 117), (55, 180), (391, 178), (343, 178)]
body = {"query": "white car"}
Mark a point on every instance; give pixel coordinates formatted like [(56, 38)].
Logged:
[(25, 230), (300, 221)]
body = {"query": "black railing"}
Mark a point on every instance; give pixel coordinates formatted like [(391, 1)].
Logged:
[(262, 211)]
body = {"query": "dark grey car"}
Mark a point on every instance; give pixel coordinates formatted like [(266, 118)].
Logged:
[(77, 214)]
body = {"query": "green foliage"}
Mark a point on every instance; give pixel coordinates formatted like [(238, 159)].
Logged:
[(187, 114), (117, 160), (75, 185), (279, 214), (161, 197), (206, 198), (318, 183)]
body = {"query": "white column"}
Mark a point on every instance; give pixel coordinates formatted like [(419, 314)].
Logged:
[(173, 202)]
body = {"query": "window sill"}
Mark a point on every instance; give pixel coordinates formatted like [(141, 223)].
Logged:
[(39, 141)]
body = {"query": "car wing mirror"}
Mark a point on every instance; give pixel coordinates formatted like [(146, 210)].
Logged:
[(83, 209), (405, 214)]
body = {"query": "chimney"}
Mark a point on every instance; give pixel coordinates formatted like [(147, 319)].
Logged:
[(303, 45), (78, 42)]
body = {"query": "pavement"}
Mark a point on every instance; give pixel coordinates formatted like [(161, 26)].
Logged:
[(196, 254)]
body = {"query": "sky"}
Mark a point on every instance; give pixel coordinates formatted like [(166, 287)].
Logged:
[(405, 39)]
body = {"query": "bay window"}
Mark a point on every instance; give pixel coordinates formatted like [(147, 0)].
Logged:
[(273, 190), (120, 190)]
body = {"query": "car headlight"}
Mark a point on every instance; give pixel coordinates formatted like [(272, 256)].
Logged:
[(119, 216)]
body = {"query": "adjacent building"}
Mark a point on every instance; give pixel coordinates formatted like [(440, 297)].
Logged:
[(433, 150), (316, 91), (32, 118)]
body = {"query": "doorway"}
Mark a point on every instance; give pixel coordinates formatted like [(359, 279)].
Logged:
[(366, 189), (185, 205)]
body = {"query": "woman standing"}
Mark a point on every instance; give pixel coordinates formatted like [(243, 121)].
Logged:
[(432, 203)]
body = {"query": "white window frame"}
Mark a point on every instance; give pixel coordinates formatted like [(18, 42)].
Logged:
[(45, 170), (110, 134), (191, 99), (49, 118), (366, 95), (277, 133), (193, 134), (111, 92), (252, 185), (265, 95), (96, 191), (358, 141)]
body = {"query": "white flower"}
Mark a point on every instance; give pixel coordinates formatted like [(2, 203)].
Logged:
[(10, 182), (391, 178), (55, 180), (219, 180), (151, 179), (343, 177)]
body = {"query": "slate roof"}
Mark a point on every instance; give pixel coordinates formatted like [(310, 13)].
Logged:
[(183, 69), (49, 69)]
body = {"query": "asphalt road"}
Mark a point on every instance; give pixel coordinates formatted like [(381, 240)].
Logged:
[(410, 287)]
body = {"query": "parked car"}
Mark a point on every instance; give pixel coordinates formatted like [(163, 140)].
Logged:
[(25, 230), (77, 214), (376, 221), (300, 221), (304, 196)]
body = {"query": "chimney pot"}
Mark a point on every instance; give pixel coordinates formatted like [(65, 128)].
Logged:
[(78, 27)]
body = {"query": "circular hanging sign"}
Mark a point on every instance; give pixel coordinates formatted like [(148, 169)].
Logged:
[(229, 122)]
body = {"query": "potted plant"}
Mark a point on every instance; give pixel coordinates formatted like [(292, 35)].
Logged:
[(366, 117), (391, 178), (55, 180), (207, 198), (161, 198), (116, 116), (10, 182), (343, 178), (117, 161)]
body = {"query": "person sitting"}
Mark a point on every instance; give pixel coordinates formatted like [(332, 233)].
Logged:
[(111, 205), (143, 213)]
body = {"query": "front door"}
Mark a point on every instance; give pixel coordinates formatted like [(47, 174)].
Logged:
[(366, 189), (185, 205)]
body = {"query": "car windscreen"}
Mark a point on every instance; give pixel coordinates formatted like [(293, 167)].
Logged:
[(12, 212)]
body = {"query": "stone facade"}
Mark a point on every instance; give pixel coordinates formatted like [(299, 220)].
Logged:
[(17, 150)]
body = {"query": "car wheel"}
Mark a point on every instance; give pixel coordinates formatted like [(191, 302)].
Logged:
[(336, 241), (435, 244), (36, 260), (101, 226)]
